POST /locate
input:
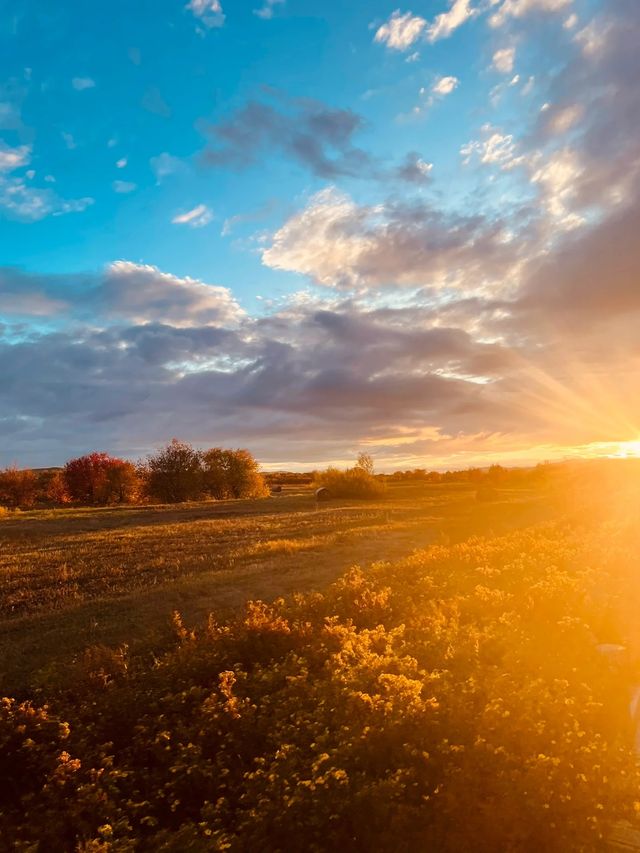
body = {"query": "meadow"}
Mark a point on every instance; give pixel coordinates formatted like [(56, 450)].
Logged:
[(423, 671), (77, 576)]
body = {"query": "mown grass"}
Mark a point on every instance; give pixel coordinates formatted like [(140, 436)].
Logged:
[(74, 577)]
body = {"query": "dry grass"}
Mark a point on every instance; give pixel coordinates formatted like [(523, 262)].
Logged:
[(74, 577)]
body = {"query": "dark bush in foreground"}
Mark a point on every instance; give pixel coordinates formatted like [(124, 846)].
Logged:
[(453, 702)]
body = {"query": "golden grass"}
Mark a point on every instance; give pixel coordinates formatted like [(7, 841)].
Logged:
[(73, 577)]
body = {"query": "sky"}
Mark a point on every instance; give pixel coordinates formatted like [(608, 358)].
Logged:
[(317, 228)]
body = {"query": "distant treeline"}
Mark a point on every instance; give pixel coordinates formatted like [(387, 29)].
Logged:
[(179, 472), (494, 475), (176, 473)]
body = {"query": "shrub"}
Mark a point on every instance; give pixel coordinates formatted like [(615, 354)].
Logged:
[(174, 473), (352, 483), (18, 487)]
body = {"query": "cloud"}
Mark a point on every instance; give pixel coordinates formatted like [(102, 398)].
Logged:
[(561, 119), (266, 10), (339, 244), (124, 186), (414, 169), (13, 158), (25, 202), (401, 30), (123, 292), (197, 217), (441, 88), (82, 83), (503, 60), (309, 375), (166, 164), (494, 149), (558, 176), (592, 277), (446, 23), (445, 85), (22, 295), (309, 132), (208, 11), (521, 8), (141, 293), (121, 163)]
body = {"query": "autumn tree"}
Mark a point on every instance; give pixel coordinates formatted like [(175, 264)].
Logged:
[(365, 462), (18, 487), (215, 479), (232, 474), (174, 473), (55, 489), (98, 478)]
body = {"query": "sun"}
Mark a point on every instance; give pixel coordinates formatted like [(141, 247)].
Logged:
[(629, 449)]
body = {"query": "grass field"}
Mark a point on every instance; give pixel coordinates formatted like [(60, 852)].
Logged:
[(385, 675), (76, 577)]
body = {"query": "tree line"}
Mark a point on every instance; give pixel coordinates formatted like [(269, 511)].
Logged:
[(175, 473)]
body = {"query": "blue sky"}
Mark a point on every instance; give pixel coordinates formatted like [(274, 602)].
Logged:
[(405, 171)]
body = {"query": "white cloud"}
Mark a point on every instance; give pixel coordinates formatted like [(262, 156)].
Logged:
[(401, 31), (447, 22), (124, 186), (121, 163), (520, 8), (208, 11), (342, 245), (496, 149), (445, 85), (442, 87), (13, 158), (195, 218), (503, 60), (266, 10), (557, 176), (34, 203), (82, 83)]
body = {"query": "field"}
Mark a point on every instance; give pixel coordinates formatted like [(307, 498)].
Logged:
[(427, 671), (76, 577)]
